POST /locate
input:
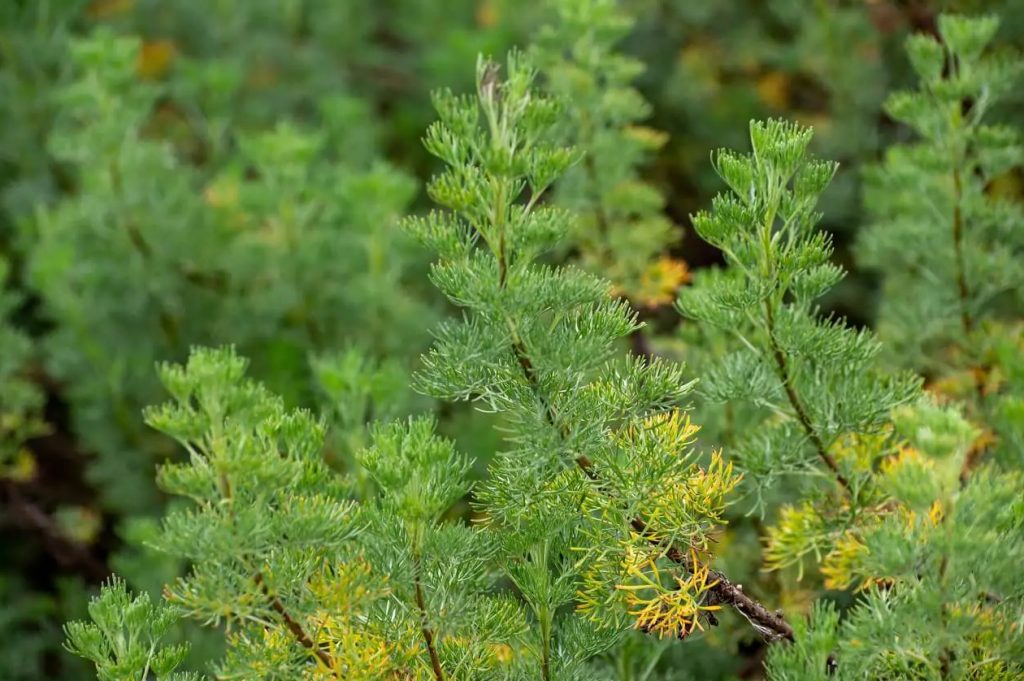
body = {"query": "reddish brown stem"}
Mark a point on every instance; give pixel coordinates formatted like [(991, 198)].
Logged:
[(294, 627), (786, 378), (428, 633)]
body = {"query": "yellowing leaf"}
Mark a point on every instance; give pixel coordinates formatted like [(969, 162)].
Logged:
[(487, 14), (840, 565), (155, 59), (22, 468), (661, 280), (773, 89), (102, 9), (649, 138)]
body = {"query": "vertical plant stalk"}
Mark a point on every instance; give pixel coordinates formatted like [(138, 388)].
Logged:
[(275, 603), (421, 605), (782, 367), (966, 318), (600, 214), (637, 340), (963, 290), (786, 378), (545, 655), (543, 611)]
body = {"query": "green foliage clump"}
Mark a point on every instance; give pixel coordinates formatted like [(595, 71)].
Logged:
[(124, 637), (306, 582), (806, 382), (954, 310), (900, 521), (933, 554), (178, 176), (621, 231), (285, 249), (22, 401), (940, 599), (590, 505), (600, 482)]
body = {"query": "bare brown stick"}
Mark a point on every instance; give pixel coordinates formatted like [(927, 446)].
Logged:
[(770, 624)]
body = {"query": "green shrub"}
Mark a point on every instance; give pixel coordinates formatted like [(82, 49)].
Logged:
[(369, 480)]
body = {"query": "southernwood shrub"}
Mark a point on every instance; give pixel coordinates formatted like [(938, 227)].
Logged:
[(595, 545), (508, 474), (276, 244), (620, 227)]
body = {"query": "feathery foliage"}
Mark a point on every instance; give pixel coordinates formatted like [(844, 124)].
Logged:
[(940, 596), (589, 506), (282, 250), (178, 175), (621, 231), (124, 637), (954, 310), (807, 382), (600, 486), (20, 400), (307, 583)]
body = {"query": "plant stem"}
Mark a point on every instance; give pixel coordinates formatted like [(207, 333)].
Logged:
[(786, 377), (275, 603), (544, 614), (545, 659), (294, 627), (781, 362), (963, 291), (421, 604)]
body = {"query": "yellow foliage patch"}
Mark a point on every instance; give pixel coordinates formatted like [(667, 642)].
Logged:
[(661, 280), (155, 59)]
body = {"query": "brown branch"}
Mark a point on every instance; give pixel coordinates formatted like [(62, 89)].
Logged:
[(278, 607), (770, 624), (294, 627), (786, 378), (428, 633)]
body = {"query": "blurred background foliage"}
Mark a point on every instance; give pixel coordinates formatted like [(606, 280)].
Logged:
[(176, 173)]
